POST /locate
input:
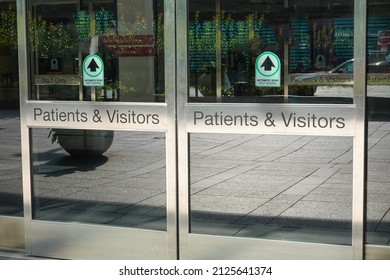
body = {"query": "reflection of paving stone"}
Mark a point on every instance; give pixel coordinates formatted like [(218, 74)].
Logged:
[(264, 214), (218, 212), (230, 200), (129, 179), (141, 221), (298, 234), (215, 228), (66, 215), (308, 214), (109, 197), (375, 214), (11, 201), (141, 183), (384, 225), (153, 205), (309, 183), (219, 191), (327, 198), (306, 186), (375, 237)]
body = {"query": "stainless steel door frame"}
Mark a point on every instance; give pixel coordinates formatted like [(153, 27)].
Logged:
[(12, 231), (359, 153), (85, 241), (198, 246)]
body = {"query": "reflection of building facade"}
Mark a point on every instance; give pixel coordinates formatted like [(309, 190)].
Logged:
[(182, 152)]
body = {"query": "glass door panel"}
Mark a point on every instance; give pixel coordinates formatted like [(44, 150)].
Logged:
[(123, 37), (314, 42), (296, 188), (123, 187), (378, 113), (96, 119), (129, 39), (11, 194), (269, 122)]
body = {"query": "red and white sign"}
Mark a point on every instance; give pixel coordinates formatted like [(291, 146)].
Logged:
[(383, 37), (130, 45)]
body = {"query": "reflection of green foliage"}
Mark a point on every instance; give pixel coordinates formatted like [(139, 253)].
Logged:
[(50, 39), (83, 25), (88, 26), (8, 30), (202, 35), (237, 35), (101, 23), (159, 31), (323, 37)]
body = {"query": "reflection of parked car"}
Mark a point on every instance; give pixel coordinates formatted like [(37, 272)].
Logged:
[(374, 67), (345, 67), (342, 74), (207, 82), (379, 67)]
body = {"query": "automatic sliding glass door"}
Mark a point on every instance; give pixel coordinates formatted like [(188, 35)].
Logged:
[(11, 194), (378, 196), (96, 118), (269, 122)]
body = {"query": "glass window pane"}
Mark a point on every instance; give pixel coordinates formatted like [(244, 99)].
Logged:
[(11, 199), (312, 39), (124, 186), (128, 39), (296, 188), (378, 108)]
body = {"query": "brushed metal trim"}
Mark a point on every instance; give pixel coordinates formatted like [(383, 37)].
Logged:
[(12, 232), (359, 155), (171, 141), (82, 241), (218, 247), (182, 149), (374, 252), (24, 89)]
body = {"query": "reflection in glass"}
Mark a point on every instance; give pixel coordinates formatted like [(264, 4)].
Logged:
[(378, 110), (123, 187), (128, 39), (295, 188), (11, 200), (310, 39)]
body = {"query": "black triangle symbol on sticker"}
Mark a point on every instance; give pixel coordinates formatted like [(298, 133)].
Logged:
[(93, 66), (268, 64)]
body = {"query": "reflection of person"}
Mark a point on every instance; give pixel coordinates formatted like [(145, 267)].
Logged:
[(300, 68), (320, 62), (207, 82), (94, 47)]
